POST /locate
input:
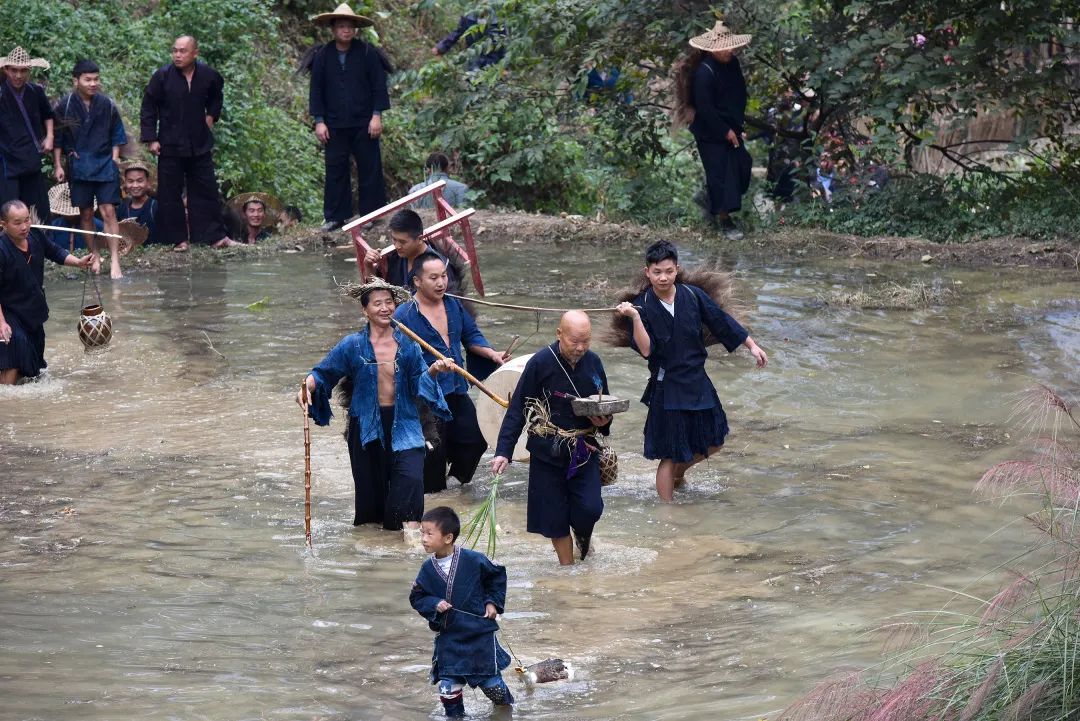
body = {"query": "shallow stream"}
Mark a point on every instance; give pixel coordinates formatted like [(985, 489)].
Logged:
[(152, 557)]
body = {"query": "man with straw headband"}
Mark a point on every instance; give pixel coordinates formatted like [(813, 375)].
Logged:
[(386, 443), (347, 98), (26, 132), (23, 309), (711, 98)]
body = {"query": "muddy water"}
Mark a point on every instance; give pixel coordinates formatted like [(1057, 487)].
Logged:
[(152, 560)]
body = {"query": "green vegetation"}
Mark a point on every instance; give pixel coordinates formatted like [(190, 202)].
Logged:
[(876, 83)]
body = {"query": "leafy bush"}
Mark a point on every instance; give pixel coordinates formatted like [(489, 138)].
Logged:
[(263, 139), (949, 209)]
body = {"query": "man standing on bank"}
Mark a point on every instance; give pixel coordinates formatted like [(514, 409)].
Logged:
[(347, 97), (26, 131), (181, 103)]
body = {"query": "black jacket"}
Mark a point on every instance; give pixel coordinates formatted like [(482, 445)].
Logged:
[(719, 91), (19, 152), (175, 116), (347, 97)]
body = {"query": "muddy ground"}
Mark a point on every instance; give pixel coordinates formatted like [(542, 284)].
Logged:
[(795, 243)]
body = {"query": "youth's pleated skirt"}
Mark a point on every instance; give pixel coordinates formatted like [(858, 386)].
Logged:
[(680, 435)]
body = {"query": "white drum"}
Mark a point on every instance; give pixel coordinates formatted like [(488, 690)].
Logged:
[(490, 414)]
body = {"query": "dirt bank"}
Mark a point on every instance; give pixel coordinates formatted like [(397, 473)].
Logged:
[(491, 226)]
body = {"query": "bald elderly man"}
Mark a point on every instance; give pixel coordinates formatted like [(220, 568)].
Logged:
[(564, 472)]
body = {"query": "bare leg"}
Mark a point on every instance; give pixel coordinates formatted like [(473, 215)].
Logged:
[(9, 376), (665, 479), (671, 475), (108, 215), (564, 549), (86, 222)]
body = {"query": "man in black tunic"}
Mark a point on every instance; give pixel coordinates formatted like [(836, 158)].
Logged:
[(347, 97), (26, 132), (181, 103)]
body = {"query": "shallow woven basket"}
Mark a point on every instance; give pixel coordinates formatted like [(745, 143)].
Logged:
[(95, 327)]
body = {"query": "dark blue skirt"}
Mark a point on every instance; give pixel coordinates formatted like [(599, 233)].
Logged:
[(26, 349), (681, 435)]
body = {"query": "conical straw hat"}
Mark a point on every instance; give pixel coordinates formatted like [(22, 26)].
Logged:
[(719, 38), (342, 12), (272, 205), (19, 58)]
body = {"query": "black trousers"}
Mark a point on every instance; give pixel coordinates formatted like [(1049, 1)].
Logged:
[(721, 176), (461, 444), (355, 143), (388, 484), (30, 189), (202, 223)]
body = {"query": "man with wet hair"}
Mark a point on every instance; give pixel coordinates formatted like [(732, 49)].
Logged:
[(686, 422), (386, 443), (445, 325), (564, 468), (26, 132), (406, 227), (91, 133), (23, 309), (180, 106), (347, 98)]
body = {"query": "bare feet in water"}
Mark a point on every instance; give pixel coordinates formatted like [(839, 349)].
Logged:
[(95, 266), (114, 271)]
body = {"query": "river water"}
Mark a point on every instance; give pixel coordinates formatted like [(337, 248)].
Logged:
[(152, 557)]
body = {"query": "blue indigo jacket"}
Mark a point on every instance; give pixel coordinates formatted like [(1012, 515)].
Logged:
[(87, 137), (355, 357), (461, 327), (466, 645)]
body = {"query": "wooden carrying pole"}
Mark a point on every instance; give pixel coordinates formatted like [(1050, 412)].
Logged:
[(307, 463), (77, 230), (461, 371)]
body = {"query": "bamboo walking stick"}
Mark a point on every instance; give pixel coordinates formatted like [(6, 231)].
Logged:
[(307, 463), (464, 373)]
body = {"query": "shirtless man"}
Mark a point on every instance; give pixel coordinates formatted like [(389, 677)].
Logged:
[(386, 444)]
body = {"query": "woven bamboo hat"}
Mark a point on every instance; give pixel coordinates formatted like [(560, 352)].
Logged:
[(273, 206), (60, 201), (356, 290), (719, 38), (19, 58), (134, 234), (151, 176), (342, 12)]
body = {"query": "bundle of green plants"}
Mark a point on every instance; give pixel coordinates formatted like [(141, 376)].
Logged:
[(483, 524)]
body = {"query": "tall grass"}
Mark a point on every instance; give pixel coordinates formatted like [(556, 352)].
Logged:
[(1017, 658)]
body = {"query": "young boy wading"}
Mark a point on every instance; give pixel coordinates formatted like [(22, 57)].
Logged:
[(686, 423), (460, 592)]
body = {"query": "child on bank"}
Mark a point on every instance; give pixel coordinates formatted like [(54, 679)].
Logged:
[(460, 592)]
